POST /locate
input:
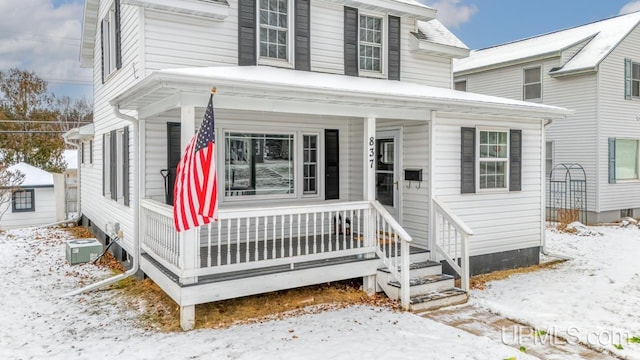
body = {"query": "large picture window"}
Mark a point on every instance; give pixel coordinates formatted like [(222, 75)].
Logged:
[(493, 159), (259, 164), (23, 200)]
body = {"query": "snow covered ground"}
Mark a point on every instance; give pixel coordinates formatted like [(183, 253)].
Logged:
[(593, 298), (37, 323)]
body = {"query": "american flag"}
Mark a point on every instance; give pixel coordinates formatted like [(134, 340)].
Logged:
[(196, 187)]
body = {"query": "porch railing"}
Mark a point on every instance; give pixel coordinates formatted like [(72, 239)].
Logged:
[(452, 240), (250, 239)]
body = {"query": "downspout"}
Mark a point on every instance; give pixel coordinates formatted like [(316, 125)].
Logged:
[(543, 247), (135, 266)]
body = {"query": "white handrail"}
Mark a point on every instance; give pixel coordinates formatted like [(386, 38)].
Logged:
[(392, 221), (459, 238), (451, 217)]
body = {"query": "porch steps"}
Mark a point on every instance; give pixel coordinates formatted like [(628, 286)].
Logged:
[(429, 287)]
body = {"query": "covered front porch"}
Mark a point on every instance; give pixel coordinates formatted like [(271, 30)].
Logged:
[(334, 205)]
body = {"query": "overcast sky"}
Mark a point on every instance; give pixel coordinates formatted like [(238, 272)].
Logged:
[(44, 35)]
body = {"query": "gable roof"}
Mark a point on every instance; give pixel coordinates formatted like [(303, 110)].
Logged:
[(33, 176), (598, 39), (431, 36)]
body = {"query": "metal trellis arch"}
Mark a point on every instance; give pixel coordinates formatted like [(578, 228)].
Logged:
[(567, 193)]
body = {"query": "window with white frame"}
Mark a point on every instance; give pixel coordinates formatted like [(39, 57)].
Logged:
[(310, 164), (532, 84), (635, 79), (109, 42), (275, 30), (107, 164), (460, 85), (259, 164), (23, 200), (626, 159), (493, 159), (548, 155), (371, 43)]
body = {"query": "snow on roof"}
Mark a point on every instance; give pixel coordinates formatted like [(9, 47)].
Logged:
[(71, 158), (33, 176), (339, 85), (435, 32), (601, 36)]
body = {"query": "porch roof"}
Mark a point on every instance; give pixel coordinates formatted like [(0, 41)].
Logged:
[(276, 89)]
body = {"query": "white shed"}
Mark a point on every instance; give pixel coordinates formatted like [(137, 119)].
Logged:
[(34, 203)]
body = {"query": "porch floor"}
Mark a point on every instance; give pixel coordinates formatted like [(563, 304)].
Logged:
[(238, 253)]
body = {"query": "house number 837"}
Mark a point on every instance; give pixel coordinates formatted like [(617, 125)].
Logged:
[(372, 151)]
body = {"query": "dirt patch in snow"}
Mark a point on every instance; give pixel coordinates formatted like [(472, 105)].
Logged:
[(479, 282)]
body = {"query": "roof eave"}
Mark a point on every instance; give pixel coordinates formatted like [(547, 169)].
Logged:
[(429, 47), (561, 72), (157, 81), (503, 64), (392, 7), (89, 26)]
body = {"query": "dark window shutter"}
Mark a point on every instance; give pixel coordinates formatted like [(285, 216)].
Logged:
[(113, 165), (351, 66), (81, 153), (90, 151), (612, 160), (302, 34), (628, 65), (394, 48), (332, 164), (515, 160), (118, 37), (104, 164), (125, 166), (247, 32), (468, 161), (102, 45), (174, 152)]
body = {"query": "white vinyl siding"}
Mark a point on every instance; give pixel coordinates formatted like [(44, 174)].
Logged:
[(618, 119), (514, 220)]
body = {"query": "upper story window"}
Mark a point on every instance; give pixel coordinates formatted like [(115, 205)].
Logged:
[(110, 31), (460, 85), (275, 30), (635, 79), (532, 85), (371, 40)]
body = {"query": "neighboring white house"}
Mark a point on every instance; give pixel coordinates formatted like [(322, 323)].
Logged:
[(593, 69), (329, 115), (34, 203)]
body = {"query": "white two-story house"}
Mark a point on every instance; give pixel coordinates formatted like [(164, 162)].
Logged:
[(341, 147), (593, 69)]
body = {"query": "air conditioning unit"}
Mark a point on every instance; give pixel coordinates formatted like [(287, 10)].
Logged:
[(83, 250)]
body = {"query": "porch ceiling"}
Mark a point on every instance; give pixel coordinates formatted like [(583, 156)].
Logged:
[(273, 89)]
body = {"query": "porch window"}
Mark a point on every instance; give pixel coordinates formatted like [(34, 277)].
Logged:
[(532, 88), (460, 85), (259, 164), (493, 159), (370, 43), (23, 201), (310, 164), (275, 29)]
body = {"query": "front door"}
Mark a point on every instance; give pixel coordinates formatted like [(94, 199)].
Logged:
[(387, 171)]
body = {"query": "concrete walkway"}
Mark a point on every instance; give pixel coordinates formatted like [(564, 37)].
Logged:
[(481, 322)]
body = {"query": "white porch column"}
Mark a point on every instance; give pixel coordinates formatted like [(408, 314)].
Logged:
[(188, 239), (369, 283), (432, 187)]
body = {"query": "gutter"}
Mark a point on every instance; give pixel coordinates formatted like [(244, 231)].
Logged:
[(543, 247), (136, 213)]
